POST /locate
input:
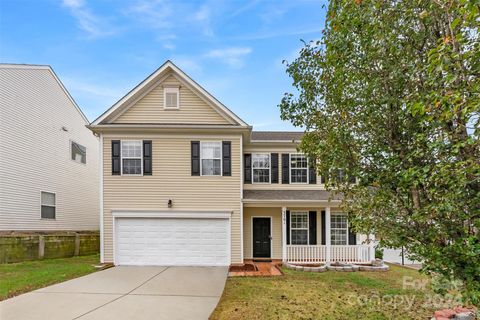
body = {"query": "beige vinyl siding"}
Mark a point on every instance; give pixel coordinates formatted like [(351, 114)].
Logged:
[(35, 154), (172, 179), (279, 185), (150, 108), (276, 215)]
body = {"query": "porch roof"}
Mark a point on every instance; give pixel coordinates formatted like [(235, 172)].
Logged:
[(291, 195)]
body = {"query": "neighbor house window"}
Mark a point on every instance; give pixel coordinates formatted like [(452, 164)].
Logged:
[(261, 167), (48, 205), (171, 99), (211, 158), (339, 229), (78, 152), (131, 157), (299, 228), (298, 168)]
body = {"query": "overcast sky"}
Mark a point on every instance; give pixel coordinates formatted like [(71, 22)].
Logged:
[(101, 49)]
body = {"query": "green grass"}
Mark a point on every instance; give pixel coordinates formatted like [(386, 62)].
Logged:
[(329, 295), (17, 278)]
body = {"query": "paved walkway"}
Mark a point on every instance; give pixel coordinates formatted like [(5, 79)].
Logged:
[(260, 269), (124, 293)]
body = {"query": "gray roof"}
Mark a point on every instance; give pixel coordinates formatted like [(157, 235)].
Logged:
[(308, 195), (277, 135)]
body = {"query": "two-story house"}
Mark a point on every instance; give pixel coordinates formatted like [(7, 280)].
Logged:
[(185, 181), (48, 159)]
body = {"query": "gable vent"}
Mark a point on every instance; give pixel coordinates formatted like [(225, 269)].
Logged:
[(171, 98)]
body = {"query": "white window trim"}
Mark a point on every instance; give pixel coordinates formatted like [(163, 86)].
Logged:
[(290, 168), (269, 169), (70, 155), (122, 157), (221, 159), (171, 90), (332, 228), (46, 205), (308, 225)]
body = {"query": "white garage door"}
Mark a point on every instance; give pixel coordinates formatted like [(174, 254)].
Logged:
[(172, 241)]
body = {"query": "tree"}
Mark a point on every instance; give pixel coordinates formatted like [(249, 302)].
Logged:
[(391, 95)]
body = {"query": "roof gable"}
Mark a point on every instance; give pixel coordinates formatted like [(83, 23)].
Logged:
[(144, 103), (33, 67)]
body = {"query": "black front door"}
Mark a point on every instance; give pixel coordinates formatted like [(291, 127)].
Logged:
[(261, 238)]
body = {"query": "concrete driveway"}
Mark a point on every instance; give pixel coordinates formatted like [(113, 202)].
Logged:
[(124, 293)]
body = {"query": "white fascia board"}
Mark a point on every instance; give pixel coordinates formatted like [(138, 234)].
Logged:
[(49, 68), (185, 77)]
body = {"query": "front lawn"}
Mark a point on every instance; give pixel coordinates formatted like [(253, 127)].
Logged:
[(17, 278), (329, 295)]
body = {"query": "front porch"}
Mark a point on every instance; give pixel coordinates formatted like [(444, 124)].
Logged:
[(349, 252), (303, 235), (307, 254)]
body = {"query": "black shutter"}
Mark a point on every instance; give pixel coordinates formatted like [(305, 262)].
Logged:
[(312, 227), (227, 158), (195, 155), (322, 179), (274, 167), (285, 168), (147, 157), (352, 237), (324, 242), (312, 173), (116, 157), (288, 226), (247, 168)]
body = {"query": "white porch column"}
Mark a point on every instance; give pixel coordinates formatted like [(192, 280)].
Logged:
[(327, 235), (371, 247), (284, 234)]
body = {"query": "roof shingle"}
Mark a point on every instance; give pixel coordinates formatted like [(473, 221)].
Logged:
[(277, 135), (308, 195)]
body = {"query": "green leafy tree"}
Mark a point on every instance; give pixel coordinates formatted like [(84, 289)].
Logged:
[(391, 95)]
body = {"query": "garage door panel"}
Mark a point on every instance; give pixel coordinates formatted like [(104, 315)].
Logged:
[(168, 241)]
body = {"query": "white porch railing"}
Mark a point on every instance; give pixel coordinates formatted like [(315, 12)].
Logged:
[(318, 253)]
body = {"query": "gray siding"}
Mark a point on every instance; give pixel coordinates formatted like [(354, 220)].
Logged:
[(35, 154)]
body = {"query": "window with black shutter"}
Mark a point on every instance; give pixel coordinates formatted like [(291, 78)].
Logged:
[(352, 237), (285, 168), (147, 157), (116, 157), (227, 158), (261, 167), (274, 170), (247, 168), (132, 157), (312, 227), (195, 157)]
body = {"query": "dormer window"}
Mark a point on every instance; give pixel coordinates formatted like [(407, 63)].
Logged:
[(171, 98)]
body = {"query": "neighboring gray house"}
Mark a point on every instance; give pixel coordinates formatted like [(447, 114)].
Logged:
[(49, 173)]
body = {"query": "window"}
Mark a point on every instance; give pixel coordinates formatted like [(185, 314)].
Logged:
[(339, 229), (171, 98), (298, 168), (261, 167), (79, 152), (48, 205), (131, 157), (299, 228), (211, 158)]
